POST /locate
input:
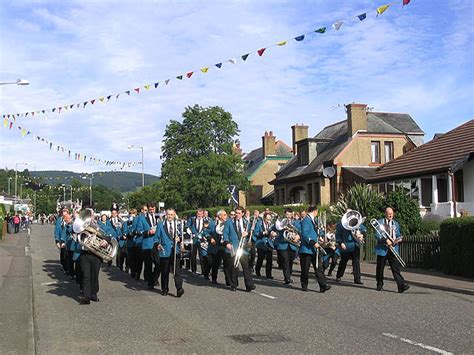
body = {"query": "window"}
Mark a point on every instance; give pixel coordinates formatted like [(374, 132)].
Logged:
[(375, 152), (388, 147)]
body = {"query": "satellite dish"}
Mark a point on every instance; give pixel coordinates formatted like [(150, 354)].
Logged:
[(329, 172)]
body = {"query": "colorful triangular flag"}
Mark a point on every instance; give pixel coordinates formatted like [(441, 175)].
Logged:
[(179, 77), (204, 69), (362, 17), (137, 90), (245, 56), (406, 2), (299, 38), (101, 99), (337, 25), (232, 60), (167, 81), (156, 85), (282, 43), (382, 9), (320, 30), (219, 65), (261, 51), (190, 74)]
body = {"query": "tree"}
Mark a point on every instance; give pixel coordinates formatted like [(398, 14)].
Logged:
[(199, 164), (406, 209)]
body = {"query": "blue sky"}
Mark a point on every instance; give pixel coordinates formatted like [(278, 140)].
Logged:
[(417, 60)]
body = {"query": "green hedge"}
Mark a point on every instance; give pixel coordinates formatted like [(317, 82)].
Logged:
[(457, 246), (2, 219)]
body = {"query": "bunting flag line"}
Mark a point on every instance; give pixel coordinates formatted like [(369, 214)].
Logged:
[(59, 148), (203, 69)]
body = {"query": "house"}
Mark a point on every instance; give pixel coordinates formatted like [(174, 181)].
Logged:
[(439, 174), (262, 164), (342, 154)]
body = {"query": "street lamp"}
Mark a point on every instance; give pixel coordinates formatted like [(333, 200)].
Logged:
[(131, 146), (9, 180), (21, 82), (16, 178), (90, 188)]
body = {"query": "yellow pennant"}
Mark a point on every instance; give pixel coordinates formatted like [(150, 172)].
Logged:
[(101, 99), (205, 69), (381, 9), (282, 43), (23, 132), (65, 107), (147, 87), (5, 122)]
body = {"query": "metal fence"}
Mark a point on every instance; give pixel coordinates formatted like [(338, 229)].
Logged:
[(418, 251)]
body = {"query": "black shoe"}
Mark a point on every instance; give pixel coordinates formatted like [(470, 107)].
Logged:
[(232, 288), (227, 283), (157, 283), (379, 287), (330, 273), (214, 282), (251, 288), (258, 274), (287, 282), (270, 277), (403, 288), (338, 279), (325, 288), (207, 278), (137, 277), (164, 293), (95, 299), (132, 276), (151, 287), (179, 293), (358, 282), (85, 301), (304, 288)]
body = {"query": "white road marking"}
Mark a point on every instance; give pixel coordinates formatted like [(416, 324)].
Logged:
[(267, 296), (421, 345)]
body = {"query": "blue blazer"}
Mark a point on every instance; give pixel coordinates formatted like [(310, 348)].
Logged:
[(309, 236), (129, 230), (381, 247), (143, 227), (281, 243), (345, 236), (57, 229), (230, 236), (263, 240), (166, 240)]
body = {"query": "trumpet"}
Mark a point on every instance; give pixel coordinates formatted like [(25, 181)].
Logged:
[(382, 231)]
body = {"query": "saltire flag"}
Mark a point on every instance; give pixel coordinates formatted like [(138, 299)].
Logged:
[(233, 194)]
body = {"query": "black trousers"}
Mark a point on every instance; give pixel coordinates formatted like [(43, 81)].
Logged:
[(267, 255), (70, 263), (121, 257), (148, 263), (286, 258), (215, 261), (131, 261), (155, 256), (205, 265), (137, 261), (394, 265), (63, 258), (305, 261), (193, 257), (234, 271), (90, 266), (355, 256), (17, 228), (167, 266), (331, 260), (78, 271), (252, 254)]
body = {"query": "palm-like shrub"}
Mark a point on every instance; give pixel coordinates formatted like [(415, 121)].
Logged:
[(362, 198)]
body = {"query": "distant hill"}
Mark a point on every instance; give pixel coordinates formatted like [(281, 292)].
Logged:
[(121, 181)]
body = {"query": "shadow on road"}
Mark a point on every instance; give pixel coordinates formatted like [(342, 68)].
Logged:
[(63, 286)]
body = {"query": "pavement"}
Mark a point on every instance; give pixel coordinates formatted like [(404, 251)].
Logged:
[(40, 312)]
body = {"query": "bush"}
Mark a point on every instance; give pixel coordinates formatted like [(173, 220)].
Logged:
[(407, 212), (277, 209), (361, 198), (457, 246), (429, 225), (2, 219)]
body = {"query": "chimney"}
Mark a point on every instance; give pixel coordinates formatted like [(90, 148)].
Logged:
[(356, 118), (268, 144), (298, 133)]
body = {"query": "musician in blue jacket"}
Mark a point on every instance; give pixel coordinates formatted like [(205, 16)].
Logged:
[(169, 238), (384, 253), (196, 225), (129, 230), (309, 253), (147, 227), (287, 251), (266, 234), (215, 249), (234, 232), (57, 239), (117, 225), (349, 248)]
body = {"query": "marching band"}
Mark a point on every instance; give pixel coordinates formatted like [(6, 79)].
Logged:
[(160, 246)]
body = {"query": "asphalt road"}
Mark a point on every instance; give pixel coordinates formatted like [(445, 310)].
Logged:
[(274, 318)]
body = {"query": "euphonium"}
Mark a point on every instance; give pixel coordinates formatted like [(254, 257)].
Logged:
[(289, 231), (89, 235), (352, 220)]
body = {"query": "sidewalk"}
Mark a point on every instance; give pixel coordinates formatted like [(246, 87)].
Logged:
[(425, 278)]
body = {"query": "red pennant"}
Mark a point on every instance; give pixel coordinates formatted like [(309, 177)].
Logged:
[(92, 101), (261, 51), (406, 2), (11, 125), (137, 90), (190, 74)]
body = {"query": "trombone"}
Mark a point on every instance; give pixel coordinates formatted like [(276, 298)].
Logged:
[(242, 243), (382, 231)]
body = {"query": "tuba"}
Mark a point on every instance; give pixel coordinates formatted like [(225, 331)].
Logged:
[(289, 231), (352, 220), (89, 235)]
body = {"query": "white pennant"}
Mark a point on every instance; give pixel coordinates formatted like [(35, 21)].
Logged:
[(337, 25)]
